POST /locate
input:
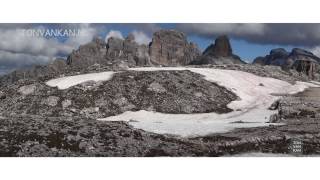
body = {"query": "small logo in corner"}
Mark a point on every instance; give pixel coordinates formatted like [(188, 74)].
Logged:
[(296, 146)]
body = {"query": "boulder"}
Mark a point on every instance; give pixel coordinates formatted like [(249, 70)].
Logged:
[(51, 101), (28, 89), (66, 103), (2, 95)]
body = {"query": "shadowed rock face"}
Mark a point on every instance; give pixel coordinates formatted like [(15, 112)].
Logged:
[(112, 52), (171, 48), (301, 60), (219, 53), (221, 47), (88, 54), (277, 57)]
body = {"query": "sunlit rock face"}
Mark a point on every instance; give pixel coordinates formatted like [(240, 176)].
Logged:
[(171, 48)]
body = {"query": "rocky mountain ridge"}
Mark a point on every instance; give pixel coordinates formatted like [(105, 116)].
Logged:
[(168, 48), (299, 59)]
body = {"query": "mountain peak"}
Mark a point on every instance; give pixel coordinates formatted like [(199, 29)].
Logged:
[(219, 53)]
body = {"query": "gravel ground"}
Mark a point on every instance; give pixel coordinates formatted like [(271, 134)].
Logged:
[(43, 121), (55, 136), (164, 91)]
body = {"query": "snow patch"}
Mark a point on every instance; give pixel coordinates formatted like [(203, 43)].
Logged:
[(69, 81), (256, 95), (253, 90), (192, 124)]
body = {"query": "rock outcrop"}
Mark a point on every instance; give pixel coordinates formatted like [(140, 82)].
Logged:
[(168, 48), (276, 57), (128, 51), (219, 53), (171, 48), (88, 54), (113, 52), (301, 60)]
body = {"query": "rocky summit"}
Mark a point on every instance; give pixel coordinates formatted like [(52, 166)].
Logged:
[(168, 48), (171, 48), (219, 53), (299, 59), (115, 51)]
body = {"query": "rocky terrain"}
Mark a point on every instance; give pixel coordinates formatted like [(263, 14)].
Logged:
[(165, 91), (300, 117), (39, 120), (58, 136), (79, 136)]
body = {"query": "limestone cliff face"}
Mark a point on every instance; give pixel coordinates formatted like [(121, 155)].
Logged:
[(114, 51), (171, 48), (88, 54), (168, 48)]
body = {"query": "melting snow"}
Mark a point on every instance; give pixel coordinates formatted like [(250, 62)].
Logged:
[(251, 110), (69, 81)]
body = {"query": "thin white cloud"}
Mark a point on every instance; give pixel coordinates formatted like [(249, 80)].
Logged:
[(115, 34), (141, 38), (315, 51), (14, 40), (86, 35)]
